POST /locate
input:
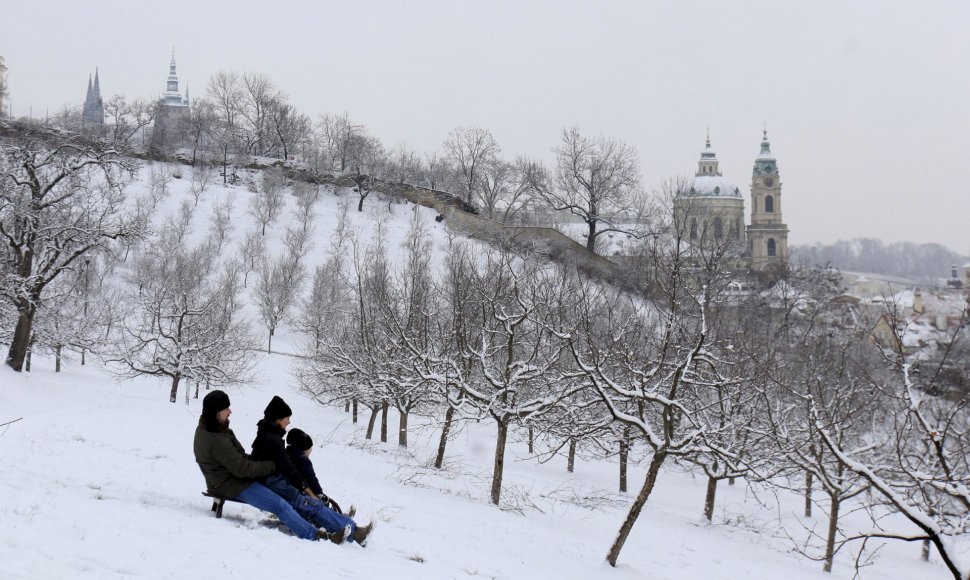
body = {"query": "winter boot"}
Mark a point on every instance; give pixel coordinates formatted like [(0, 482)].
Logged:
[(360, 535), (338, 537), (351, 512)]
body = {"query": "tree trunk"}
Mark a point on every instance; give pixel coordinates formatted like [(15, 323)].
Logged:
[(499, 471), (197, 389), (360, 205), (353, 409), (709, 498), (20, 344), (402, 430), (347, 407), (384, 406), (175, 388), (624, 460), (269, 347), (808, 494), (833, 530), (372, 421), (83, 350), (571, 457), (532, 439), (57, 359), (648, 484), (439, 460), (731, 480), (591, 236)]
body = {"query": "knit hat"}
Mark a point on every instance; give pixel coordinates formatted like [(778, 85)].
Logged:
[(299, 439), (277, 409), (211, 405)]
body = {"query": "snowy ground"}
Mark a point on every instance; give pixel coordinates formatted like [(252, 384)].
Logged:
[(97, 480)]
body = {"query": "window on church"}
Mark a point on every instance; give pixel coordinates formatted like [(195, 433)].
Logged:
[(693, 230), (769, 204), (718, 229), (771, 248)]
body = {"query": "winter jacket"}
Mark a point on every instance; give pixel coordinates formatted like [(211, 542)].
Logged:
[(303, 463), (268, 446), (228, 471)]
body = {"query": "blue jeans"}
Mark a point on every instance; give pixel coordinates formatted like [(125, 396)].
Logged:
[(261, 497), (311, 509)]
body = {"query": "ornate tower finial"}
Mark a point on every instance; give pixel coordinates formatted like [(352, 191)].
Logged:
[(708, 137)]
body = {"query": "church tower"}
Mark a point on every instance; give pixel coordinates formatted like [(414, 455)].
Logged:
[(173, 113), (92, 114), (767, 234)]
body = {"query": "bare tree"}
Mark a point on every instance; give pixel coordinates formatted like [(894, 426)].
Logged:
[(185, 323), (201, 126), (221, 221), (226, 95), (404, 164), (202, 177), (266, 205), (596, 179), (288, 126), (258, 95), (276, 289), (127, 119), (78, 312), (58, 202), (337, 134), (435, 171), (367, 162), (468, 150)]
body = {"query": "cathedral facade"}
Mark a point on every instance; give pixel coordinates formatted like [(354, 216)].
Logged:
[(710, 211)]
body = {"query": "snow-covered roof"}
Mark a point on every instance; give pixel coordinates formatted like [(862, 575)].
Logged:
[(713, 186)]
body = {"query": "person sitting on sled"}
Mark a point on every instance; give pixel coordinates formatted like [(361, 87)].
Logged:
[(290, 483)]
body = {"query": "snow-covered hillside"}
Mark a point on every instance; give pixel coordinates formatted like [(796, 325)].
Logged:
[(98, 479)]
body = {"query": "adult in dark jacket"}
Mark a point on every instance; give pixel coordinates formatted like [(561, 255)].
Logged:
[(230, 473), (290, 484)]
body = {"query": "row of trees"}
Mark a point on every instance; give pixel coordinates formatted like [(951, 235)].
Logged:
[(782, 387)]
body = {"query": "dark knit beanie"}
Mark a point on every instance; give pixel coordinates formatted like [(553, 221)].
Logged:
[(277, 409), (299, 439), (211, 405)]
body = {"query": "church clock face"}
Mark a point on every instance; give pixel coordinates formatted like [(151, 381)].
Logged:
[(769, 182)]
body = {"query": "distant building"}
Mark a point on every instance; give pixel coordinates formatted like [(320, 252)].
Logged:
[(712, 211), (92, 114), (173, 112)]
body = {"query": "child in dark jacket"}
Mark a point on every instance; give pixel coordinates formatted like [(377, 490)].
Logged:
[(299, 447)]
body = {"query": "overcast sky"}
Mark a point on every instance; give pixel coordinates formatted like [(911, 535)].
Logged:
[(867, 103)]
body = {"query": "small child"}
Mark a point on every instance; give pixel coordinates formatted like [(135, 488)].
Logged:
[(299, 446)]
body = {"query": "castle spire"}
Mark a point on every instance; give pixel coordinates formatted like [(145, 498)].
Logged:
[(97, 85)]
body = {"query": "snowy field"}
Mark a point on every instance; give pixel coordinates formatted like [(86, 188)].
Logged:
[(98, 480)]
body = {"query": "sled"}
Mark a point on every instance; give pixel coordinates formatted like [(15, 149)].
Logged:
[(218, 501)]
